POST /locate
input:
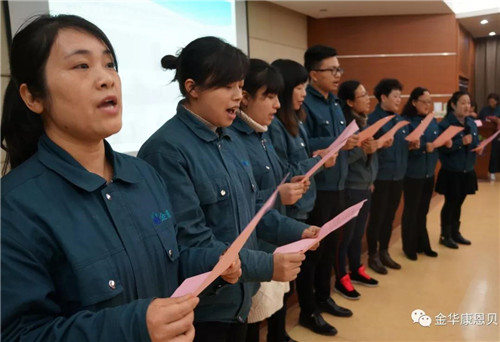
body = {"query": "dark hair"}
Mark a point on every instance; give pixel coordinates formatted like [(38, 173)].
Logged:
[(385, 86), (494, 96), (347, 91), (30, 50), (293, 74), (209, 62), (261, 74), (409, 109), (454, 99), (315, 54)]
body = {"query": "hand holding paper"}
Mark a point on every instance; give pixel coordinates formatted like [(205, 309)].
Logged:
[(390, 133), (198, 283), (485, 142), (370, 131), (337, 222), (449, 133), (334, 147), (417, 132)]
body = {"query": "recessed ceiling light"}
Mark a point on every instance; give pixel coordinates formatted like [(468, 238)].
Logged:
[(484, 22), (492, 33)]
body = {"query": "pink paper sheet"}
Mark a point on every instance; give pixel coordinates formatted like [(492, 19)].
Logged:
[(449, 133), (417, 132), (390, 133), (333, 148), (371, 130), (486, 141), (478, 123), (198, 283), (335, 223)]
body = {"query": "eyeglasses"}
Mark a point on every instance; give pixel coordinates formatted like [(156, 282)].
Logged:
[(333, 71), (362, 95), (428, 102)]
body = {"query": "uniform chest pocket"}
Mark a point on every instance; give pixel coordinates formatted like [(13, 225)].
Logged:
[(324, 127), (211, 191), (168, 239), (98, 281), (298, 151)]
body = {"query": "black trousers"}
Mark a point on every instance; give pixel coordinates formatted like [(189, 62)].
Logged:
[(494, 165), (276, 331), (450, 214), (350, 244), (313, 281), (417, 197), (385, 202), (220, 332)]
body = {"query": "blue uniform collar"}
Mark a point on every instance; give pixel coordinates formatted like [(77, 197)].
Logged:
[(62, 163), (452, 119), (198, 127), (383, 113), (242, 126), (314, 92)]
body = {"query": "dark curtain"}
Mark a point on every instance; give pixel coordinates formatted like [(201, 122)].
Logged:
[(487, 69)]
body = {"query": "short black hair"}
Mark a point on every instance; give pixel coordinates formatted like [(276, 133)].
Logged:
[(494, 96), (385, 86), (261, 74), (209, 61), (315, 54)]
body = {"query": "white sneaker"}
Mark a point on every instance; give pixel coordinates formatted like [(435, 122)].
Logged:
[(492, 177)]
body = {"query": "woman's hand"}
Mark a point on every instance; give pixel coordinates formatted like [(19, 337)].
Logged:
[(171, 319)]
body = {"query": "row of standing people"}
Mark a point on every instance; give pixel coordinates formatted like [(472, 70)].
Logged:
[(91, 237)]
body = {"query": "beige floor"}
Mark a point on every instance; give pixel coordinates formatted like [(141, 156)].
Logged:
[(463, 282)]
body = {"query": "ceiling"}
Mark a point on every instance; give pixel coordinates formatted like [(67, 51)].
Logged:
[(355, 8)]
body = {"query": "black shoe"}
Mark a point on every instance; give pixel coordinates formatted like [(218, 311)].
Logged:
[(448, 242), (329, 306), (317, 323), (361, 277), (386, 260), (458, 238), (411, 256), (375, 264), (345, 288), (431, 253)]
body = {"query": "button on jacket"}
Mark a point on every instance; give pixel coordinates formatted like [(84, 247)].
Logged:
[(459, 157), (82, 259), (422, 164), (268, 171), (392, 160), (213, 195), (295, 152), (324, 123)]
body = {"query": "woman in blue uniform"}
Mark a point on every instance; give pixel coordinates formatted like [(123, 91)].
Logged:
[(389, 182), (208, 168), (456, 178), (88, 237), (260, 102), (419, 177), (363, 166)]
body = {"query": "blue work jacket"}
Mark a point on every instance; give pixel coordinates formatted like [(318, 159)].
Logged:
[(295, 152), (81, 258), (269, 171), (422, 164), (392, 160), (324, 123), (459, 158), (213, 191)]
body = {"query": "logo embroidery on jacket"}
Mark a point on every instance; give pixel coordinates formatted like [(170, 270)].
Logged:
[(160, 217)]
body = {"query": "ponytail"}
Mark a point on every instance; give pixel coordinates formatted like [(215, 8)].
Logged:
[(21, 129)]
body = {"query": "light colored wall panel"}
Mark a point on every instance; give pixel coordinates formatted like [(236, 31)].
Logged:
[(270, 51), (276, 32)]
